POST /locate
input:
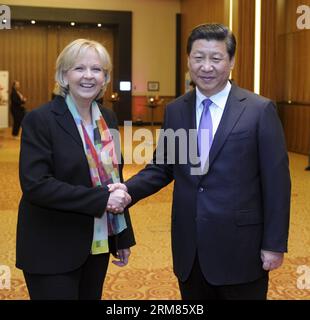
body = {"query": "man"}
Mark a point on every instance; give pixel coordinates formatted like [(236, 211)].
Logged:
[(229, 224)]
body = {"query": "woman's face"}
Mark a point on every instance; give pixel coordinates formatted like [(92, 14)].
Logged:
[(85, 78)]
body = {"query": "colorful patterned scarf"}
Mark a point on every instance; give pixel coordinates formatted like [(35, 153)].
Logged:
[(103, 168)]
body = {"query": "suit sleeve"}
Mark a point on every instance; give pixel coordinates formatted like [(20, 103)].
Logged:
[(275, 180), (38, 184), (155, 175)]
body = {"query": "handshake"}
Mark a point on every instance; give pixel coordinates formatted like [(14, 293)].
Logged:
[(119, 198)]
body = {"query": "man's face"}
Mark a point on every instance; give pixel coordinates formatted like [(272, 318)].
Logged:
[(209, 65)]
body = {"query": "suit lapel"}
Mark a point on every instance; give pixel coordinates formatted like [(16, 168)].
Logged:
[(189, 123), (233, 110), (65, 119), (189, 111)]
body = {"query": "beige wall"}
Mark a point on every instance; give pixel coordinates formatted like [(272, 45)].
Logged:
[(153, 31)]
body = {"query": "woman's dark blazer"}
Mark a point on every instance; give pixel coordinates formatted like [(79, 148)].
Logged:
[(58, 205)]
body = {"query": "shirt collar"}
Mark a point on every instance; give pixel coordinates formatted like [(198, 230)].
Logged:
[(219, 99)]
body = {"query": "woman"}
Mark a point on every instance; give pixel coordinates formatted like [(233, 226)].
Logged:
[(67, 160), (17, 108)]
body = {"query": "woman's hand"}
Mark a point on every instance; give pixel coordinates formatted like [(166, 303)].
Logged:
[(123, 256)]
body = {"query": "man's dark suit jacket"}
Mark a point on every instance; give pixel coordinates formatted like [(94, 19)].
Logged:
[(58, 205), (241, 205)]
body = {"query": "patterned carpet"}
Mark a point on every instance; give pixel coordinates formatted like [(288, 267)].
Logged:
[(149, 274)]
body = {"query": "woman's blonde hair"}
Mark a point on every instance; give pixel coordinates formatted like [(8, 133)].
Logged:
[(71, 53)]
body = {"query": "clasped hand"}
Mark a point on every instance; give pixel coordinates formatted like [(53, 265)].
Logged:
[(119, 198)]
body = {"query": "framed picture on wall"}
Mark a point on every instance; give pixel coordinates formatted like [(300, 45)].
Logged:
[(152, 86)]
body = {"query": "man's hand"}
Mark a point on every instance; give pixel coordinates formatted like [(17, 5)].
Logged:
[(123, 256), (271, 260), (119, 199)]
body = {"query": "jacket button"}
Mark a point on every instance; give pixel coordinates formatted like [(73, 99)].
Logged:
[(200, 189)]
